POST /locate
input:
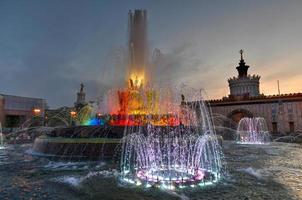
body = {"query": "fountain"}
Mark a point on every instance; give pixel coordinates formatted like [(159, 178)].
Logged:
[(167, 142), (162, 139), (1, 138), (252, 131), (176, 155)]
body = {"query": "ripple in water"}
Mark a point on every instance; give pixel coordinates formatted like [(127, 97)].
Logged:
[(260, 174), (70, 180), (73, 165), (75, 181)]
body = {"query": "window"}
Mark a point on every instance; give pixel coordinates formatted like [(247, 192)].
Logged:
[(275, 127), (291, 127)]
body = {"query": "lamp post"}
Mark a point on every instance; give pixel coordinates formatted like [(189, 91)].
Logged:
[(36, 117), (72, 116), (45, 122), (37, 111)]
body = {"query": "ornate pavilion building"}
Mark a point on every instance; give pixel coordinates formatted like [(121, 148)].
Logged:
[(282, 112)]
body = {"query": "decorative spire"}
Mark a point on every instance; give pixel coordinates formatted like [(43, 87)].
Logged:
[(241, 53), (242, 68), (82, 87), (80, 98)]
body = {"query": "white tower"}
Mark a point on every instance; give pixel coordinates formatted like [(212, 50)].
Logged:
[(244, 85)]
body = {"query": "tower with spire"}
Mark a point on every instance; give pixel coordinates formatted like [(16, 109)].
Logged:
[(244, 85), (81, 102)]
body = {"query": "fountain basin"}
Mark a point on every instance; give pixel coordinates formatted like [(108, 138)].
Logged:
[(84, 142), (75, 148)]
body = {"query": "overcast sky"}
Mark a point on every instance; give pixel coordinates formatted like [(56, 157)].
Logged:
[(48, 47)]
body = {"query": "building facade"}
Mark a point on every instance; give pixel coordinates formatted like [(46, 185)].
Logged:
[(282, 112), (15, 110)]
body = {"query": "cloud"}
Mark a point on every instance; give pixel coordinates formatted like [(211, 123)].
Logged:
[(177, 65), (48, 48)]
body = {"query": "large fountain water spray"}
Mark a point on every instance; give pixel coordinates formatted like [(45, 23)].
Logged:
[(168, 139), (187, 154), (252, 131), (167, 142)]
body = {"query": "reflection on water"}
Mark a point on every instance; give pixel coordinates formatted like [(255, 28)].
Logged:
[(271, 171), (3, 156), (60, 165)]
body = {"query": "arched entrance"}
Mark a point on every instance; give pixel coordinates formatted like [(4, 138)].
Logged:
[(238, 114)]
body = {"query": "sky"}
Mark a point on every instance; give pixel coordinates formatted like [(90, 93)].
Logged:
[(48, 47)]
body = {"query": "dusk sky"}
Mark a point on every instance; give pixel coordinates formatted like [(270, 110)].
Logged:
[(47, 48)]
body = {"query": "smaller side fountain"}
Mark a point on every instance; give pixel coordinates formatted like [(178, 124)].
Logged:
[(252, 131), (1, 138)]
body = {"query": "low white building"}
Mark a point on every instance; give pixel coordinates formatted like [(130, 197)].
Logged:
[(15, 110)]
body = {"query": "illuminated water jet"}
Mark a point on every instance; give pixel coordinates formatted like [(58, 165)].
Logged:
[(252, 131), (1, 138), (173, 156)]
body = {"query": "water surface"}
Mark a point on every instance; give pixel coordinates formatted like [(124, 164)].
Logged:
[(272, 171)]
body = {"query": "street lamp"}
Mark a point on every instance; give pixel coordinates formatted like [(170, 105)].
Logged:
[(36, 117), (73, 113), (72, 116), (37, 111)]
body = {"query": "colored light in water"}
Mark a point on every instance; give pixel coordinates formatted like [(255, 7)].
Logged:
[(93, 122)]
